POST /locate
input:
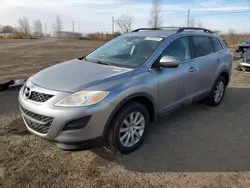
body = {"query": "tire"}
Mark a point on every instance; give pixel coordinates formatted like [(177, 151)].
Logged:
[(212, 100), (6, 85), (114, 135)]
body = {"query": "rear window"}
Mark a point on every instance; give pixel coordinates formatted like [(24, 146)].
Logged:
[(217, 45), (202, 46), (247, 42)]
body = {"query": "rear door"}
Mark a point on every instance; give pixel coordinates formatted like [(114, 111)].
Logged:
[(220, 51), (205, 63)]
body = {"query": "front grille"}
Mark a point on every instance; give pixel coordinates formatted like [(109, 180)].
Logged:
[(248, 60), (39, 97), (38, 127)]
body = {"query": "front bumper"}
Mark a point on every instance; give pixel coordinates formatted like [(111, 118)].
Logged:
[(94, 127)]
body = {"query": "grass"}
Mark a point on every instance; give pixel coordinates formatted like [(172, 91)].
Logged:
[(234, 39)]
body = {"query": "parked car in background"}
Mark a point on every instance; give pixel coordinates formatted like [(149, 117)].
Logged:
[(242, 47), (245, 64), (114, 93)]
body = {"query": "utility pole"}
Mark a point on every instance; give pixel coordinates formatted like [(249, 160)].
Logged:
[(73, 24), (113, 24), (45, 29), (188, 17)]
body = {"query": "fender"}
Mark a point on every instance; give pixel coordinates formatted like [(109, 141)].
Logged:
[(124, 101)]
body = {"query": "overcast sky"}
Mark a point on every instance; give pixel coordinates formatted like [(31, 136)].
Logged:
[(96, 15)]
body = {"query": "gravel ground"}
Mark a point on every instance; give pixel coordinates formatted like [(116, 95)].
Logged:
[(199, 146)]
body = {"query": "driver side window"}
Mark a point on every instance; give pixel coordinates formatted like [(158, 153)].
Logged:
[(179, 49)]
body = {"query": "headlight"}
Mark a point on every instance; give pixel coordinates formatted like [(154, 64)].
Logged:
[(83, 98)]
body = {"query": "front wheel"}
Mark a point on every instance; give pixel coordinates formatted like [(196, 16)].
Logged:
[(129, 128), (218, 92)]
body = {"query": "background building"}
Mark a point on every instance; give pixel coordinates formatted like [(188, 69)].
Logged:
[(65, 34)]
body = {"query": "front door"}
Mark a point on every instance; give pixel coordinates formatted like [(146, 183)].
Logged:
[(175, 84)]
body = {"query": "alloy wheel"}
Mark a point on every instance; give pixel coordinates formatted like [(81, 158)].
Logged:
[(132, 129), (219, 91)]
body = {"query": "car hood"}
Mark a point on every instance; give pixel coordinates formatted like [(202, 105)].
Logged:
[(72, 75)]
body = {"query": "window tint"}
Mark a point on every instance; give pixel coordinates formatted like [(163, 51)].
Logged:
[(179, 49), (217, 45), (202, 46)]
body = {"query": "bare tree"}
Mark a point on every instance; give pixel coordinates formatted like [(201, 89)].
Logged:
[(199, 24), (195, 23), (182, 25), (231, 31), (6, 29), (38, 28), (192, 22), (24, 25), (124, 23), (58, 25), (155, 19)]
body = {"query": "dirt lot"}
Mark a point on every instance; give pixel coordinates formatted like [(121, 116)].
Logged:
[(199, 146)]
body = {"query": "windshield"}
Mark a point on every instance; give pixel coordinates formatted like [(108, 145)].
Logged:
[(247, 42), (125, 51)]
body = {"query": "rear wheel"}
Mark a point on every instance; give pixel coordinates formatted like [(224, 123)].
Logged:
[(218, 92), (129, 128)]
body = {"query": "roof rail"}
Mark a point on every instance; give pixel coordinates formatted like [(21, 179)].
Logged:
[(169, 27), (146, 29), (180, 29), (193, 28), (150, 29)]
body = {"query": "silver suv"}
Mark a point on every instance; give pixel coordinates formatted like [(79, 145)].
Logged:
[(114, 93)]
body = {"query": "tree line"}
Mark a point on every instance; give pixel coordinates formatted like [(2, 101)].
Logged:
[(124, 23), (36, 29)]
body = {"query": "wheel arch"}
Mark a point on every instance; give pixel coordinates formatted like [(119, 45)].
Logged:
[(225, 75), (143, 98)]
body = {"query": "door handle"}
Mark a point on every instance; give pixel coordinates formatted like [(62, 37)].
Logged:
[(192, 69)]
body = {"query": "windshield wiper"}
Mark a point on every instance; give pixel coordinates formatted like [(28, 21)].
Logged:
[(102, 63), (81, 58), (98, 62)]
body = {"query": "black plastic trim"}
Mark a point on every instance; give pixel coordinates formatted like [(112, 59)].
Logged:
[(77, 123), (81, 145)]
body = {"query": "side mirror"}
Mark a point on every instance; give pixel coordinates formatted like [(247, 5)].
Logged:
[(168, 62)]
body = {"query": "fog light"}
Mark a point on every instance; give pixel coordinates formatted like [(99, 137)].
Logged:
[(77, 124)]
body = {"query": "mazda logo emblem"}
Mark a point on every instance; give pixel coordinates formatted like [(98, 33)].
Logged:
[(27, 92)]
